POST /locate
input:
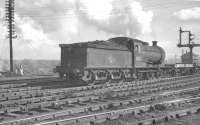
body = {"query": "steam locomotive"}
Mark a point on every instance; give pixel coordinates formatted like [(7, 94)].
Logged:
[(119, 58)]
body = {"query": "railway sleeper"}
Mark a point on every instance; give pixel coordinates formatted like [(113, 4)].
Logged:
[(12, 86), (171, 115), (140, 109), (176, 114)]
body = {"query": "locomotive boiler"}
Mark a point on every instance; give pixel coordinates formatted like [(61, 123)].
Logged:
[(119, 58)]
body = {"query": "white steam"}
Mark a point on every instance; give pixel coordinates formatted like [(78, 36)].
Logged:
[(69, 21), (119, 17), (32, 32)]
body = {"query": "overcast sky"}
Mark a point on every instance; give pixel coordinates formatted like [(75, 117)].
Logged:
[(42, 24)]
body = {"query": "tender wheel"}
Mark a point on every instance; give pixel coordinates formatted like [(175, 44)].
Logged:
[(100, 75), (88, 76)]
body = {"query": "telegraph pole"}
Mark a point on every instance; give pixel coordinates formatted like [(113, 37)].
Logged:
[(9, 7)]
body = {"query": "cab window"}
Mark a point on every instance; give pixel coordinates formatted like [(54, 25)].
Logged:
[(137, 48)]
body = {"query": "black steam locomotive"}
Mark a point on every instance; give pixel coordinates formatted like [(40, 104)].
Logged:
[(119, 58)]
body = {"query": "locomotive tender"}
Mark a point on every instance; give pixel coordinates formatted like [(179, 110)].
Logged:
[(119, 58)]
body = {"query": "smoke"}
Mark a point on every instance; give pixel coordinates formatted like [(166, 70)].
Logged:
[(41, 25), (3, 34), (3, 31), (2, 25), (72, 17), (119, 17), (31, 32)]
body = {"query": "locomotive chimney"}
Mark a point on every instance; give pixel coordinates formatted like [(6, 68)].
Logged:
[(154, 43)]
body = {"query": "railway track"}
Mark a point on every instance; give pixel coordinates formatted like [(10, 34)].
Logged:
[(45, 82), (143, 115), (51, 106), (36, 95), (22, 79)]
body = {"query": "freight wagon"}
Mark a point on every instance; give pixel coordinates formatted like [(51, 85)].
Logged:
[(119, 58)]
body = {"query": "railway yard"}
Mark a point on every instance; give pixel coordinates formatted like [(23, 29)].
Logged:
[(117, 79), (164, 101)]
